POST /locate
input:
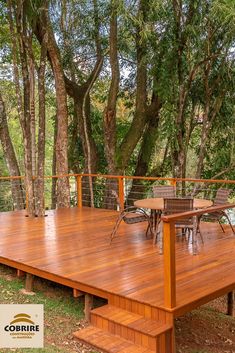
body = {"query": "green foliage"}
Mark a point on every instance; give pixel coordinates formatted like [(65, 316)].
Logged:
[(179, 55)]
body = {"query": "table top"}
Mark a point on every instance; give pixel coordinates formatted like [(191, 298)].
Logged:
[(157, 203)]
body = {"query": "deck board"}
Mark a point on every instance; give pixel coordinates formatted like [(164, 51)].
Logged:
[(73, 245)]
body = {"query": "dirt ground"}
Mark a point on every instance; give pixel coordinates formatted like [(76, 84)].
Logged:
[(205, 330)]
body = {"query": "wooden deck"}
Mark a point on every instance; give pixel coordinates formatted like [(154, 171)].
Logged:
[(72, 247)]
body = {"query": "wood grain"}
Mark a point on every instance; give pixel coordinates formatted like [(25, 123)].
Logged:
[(71, 247)]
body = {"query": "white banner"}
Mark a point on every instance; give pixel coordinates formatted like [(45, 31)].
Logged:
[(21, 326)]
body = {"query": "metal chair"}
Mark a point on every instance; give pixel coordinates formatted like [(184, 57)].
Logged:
[(188, 225), (221, 198), (163, 191), (130, 215)]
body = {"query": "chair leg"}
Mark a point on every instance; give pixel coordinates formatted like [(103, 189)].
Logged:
[(198, 228), (199, 231), (154, 238), (147, 230), (231, 226), (221, 226), (115, 228), (149, 227), (194, 235)]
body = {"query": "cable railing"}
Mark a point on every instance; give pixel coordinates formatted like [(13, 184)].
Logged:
[(13, 193)]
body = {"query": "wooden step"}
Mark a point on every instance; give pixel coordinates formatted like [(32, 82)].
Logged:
[(126, 318), (108, 342), (133, 327)]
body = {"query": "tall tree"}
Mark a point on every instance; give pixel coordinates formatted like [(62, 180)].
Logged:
[(44, 25), (19, 43), (11, 160), (40, 205), (109, 120)]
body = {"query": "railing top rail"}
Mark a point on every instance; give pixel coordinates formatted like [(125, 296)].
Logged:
[(176, 216), (11, 177), (221, 181), (160, 178)]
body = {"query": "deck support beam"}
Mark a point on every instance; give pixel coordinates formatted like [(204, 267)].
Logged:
[(29, 282), (77, 293), (230, 304), (20, 273), (88, 306)]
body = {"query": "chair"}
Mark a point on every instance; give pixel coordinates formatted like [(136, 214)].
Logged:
[(221, 198), (130, 215), (188, 224), (163, 191)]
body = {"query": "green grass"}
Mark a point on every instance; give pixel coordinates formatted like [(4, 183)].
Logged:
[(62, 305), (62, 315)]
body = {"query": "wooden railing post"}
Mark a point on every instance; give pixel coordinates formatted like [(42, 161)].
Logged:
[(169, 265), (121, 193), (79, 191), (173, 182), (26, 201)]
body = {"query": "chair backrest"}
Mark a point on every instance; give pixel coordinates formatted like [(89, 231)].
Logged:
[(179, 205), (221, 196), (165, 191)]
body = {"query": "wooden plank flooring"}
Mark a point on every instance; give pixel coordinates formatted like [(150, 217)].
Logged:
[(71, 246)]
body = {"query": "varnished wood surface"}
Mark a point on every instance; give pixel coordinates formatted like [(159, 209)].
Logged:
[(72, 246), (157, 203)]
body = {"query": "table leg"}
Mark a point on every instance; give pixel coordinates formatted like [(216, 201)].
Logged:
[(154, 220), (156, 215)]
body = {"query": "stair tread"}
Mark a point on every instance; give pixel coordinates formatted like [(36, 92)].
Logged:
[(108, 342), (131, 320)]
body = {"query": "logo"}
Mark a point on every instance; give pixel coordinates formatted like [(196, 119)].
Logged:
[(21, 328), (18, 329)]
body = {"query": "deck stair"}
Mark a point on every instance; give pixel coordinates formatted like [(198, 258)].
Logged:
[(114, 330)]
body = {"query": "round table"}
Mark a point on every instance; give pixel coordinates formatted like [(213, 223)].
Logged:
[(157, 203)]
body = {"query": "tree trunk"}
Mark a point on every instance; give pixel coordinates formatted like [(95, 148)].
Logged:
[(72, 154), (63, 194), (20, 15), (146, 150), (203, 140), (32, 112), (91, 155), (109, 120), (40, 206), (54, 180), (9, 155), (137, 127)]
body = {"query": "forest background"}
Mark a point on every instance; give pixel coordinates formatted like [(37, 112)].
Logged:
[(143, 88)]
